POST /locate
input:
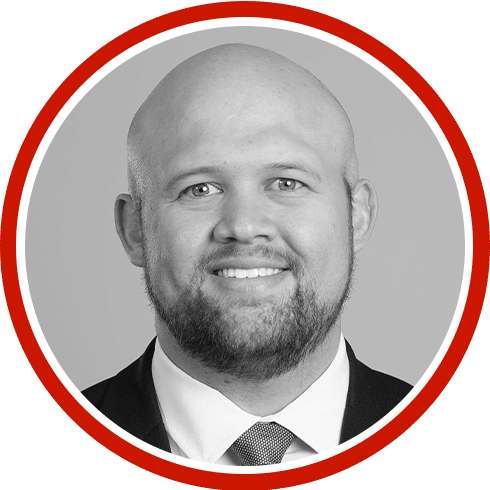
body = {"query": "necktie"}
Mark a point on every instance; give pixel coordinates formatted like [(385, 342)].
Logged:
[(263, 443)]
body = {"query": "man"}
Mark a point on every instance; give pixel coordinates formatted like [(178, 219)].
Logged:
[(245, 212)]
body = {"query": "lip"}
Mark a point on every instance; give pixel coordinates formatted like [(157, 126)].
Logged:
[(257, 287), (248, 273), (245, 263)]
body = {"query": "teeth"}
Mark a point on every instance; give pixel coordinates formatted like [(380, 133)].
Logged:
[(248, 273)]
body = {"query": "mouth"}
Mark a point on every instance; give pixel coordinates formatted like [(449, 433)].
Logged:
[(248, 273), (250, 280)]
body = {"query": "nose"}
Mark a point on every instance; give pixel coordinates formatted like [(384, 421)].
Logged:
[(245, 220)]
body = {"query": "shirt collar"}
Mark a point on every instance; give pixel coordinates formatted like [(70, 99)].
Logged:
[(204, 423)]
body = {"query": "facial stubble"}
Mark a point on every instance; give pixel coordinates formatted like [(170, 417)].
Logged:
[(251, 340)]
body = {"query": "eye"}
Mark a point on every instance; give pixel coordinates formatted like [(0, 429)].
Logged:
[(287, 185), (201, 190)]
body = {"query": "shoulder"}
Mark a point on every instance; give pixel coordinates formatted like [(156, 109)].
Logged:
[(95, 394), (368, 380), (386, 389), (371, 395), (126, 389), (130, 401)]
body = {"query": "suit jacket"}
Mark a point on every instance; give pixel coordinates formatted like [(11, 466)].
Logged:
[(130, 401)]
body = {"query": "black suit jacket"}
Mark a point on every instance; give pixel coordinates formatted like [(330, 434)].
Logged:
[(130, 401)]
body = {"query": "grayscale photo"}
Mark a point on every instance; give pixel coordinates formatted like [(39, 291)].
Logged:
[(245, 246)]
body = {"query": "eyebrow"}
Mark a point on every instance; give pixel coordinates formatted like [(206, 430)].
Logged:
[(216, 170), (297, 166), (196, 171)]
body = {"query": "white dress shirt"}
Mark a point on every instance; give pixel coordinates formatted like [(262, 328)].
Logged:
[(202, 423)]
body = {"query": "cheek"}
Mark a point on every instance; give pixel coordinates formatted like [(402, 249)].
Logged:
[(178, 243), (321, 237)]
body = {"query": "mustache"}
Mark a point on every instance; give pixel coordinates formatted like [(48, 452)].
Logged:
[(235, 250)]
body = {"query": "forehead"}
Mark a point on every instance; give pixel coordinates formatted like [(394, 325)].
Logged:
[(249, 151), (254, 112), (246, 132), (249, 155)]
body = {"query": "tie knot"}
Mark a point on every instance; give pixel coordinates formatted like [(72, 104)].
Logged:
[(263, 443)]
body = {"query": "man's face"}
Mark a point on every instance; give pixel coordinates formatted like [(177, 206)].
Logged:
[(249, 221)]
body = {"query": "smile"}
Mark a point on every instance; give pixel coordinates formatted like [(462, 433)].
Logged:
[(248, 273)]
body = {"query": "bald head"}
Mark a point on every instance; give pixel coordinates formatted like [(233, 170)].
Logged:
[(237, 86)]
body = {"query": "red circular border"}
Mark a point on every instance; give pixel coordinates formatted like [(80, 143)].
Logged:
[(431, 390)]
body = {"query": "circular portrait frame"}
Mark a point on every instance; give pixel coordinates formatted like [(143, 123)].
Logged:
[(446, 368)]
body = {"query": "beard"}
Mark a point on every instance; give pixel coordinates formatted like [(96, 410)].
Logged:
[(255, 339)]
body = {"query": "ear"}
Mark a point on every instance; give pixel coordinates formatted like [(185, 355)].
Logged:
[(128, 226), (364, 212)]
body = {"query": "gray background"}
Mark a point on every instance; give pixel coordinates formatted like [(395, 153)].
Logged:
[(89, 299)]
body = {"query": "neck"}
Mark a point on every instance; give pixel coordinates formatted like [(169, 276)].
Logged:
[(257, 398)]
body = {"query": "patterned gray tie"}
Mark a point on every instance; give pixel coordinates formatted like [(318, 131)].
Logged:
[(263, 443)]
